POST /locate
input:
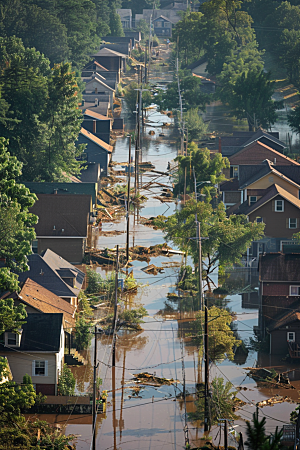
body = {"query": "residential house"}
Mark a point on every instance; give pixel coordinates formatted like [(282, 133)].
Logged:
[(162, 26), (93, 67), (96, 151), (90, 173), (120, 47), (199, 67), (111, 60), (136, 36), (97, 88), (126, 18), (37, 351), (38, 299), (171, 12), (55, 274), (229, 145), (285, 335), (79, 188), (119, 40), (92, 103), (63, 225), (100, 126)]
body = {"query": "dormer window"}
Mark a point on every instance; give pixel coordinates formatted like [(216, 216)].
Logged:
[(252, 200), (12, 339), (234, 171)]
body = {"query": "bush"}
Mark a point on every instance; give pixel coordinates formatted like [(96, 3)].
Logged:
[(66, 382), (83, 335)]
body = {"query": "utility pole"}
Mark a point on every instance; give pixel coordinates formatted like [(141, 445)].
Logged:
[(115, 310), (136, 166), (128, 200), (226, 435), (206, 370), (200, 263), (94, 391)]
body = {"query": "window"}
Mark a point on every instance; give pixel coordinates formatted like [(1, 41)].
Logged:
[(34, 246), (234, 171), (39, 368), (291, 336), (292, 223), (12, 339), (259, 220), (294, 290), (252, 200), (279, 205)]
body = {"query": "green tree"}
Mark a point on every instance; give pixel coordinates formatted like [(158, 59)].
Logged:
[(189, 36), (16, 223), (11, 317), (206, 169), (132, 96), (257, 438), (66, 382), (294, 120), (194, 123), (115, 24), (221, 402), (227, 238), (252, 99), (14, 398), (221, 339), (83, 333)]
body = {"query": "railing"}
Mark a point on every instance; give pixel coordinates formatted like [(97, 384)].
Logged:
[(294, 350)]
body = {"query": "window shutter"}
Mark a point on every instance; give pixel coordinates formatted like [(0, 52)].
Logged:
[(287, 223), (33, 368), (297, 222), (273, 205), (46, 368)]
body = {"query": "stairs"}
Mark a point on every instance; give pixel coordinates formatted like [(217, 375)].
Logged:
[(75, 359)]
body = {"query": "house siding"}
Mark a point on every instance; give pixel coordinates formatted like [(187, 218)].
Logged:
[(271, 179), (276, 222), (278, 341), (71, 249), (94, 153), (274, 306), (102, 128), (256, 154)]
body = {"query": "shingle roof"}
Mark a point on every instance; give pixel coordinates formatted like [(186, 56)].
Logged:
[(96, 115), (98, 80), (107, 52), (230, 185), (45, 301), (267, 169), (279, 267), (292, 316), (43, 269), (40, 333), (96, 140), (63, 188), (163, 17), (259, 134), (257, 152), (271, 193), (58, 215)]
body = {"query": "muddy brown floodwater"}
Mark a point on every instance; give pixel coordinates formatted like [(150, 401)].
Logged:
[(152, 418)]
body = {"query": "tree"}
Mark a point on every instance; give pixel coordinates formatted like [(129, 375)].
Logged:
[(14, 398), (206, 169), (115, 24), (221, 402), (252, 99), (11, 317), (227, 238), (83, 333), (16, 223), (66, 382), (132, 96), (221, 339), (137, 6), (195, 125), (294, 120), (257, 438), (189, 36), (192, 96)]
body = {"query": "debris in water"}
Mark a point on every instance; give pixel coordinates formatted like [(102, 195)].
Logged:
[(274, 400), (152, 380), (152, 269)]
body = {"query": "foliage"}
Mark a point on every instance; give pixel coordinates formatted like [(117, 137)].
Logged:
[(115, 24), (132, 96), (206, 169), (192, 96), (221, 402), (11, 317), (227, 237), (143, 27), (133, 316), (14, 398), (294, 120), (42, 121), (194, 123), (188, 33), (137, 6), (251, 98), (221, 339), (16, 223), (257, 438), (66, 382), (83, 333)]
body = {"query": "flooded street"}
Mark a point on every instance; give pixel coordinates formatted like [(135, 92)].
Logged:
[(153, 417)]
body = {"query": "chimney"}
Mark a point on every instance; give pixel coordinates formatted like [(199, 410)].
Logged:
[(274, 160), (220, 145), (94, 127), (96, 102)]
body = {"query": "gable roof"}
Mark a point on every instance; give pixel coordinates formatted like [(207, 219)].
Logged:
[(45, 301), (63, 188), (99, 81), (58, 215), (279, 267), (95, 115), (44, 270), (270, 194), (108, 52), (91, 63), (163, 17), (257, 152), (230, 185), (267, 169), (292, 316), (259, 134), (96, 140)]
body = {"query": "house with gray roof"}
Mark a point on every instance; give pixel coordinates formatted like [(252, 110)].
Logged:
[(64, 188), (96, 151), (37, 351)]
